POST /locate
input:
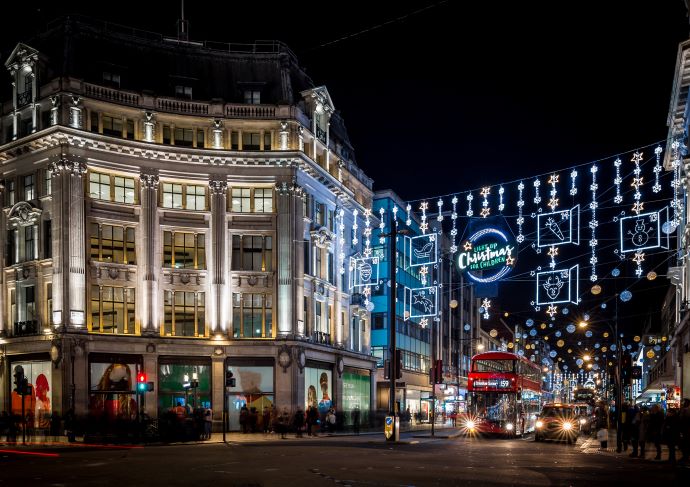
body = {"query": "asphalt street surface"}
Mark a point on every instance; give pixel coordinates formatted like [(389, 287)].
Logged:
[(364, 460)]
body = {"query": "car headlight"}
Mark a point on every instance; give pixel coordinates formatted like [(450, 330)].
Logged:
[(583, 421), (509, 426), (470, 425), (540, 424), (567, 426)]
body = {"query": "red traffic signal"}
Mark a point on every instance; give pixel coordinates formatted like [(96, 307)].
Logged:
[(141, 382)]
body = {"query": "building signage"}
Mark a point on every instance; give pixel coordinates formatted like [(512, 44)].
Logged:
[(487, 256), (492, 383)]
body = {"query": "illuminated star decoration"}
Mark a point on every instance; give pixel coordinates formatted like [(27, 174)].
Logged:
[(553, 202), (552, 310), (467, 246), (638, 259), (553, 251), (510, 260), (486, 304), (638, 206), (423, 271), (485, 212), (424, 322)]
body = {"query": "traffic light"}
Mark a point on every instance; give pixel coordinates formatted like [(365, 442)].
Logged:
[(398, 363), (142, 385), (387, 369), (229, 379), (626, 368)]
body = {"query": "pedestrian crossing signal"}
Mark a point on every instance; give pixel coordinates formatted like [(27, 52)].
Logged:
[(142, 386)]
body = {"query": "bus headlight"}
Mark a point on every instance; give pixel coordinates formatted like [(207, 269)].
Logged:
[(583, 421), (509, 426), (567, 426), (470, 425), (540, 424)]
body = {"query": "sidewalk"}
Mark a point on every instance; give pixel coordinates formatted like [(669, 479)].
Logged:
[(591, 445)]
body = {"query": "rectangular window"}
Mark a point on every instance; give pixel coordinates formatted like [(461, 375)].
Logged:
[(196, 197), (318, 272), (252, 200), (183, 91), (47, 239), (9, 189), (124, 190), (250, 140), (29, 187), (94, 121), (29, 303), (99, 186), (183, 250), (172, 195), (184, 137), (241, 200), (267, 140), (111, 79), (112, 310), (200, 139), (263, 200), (30, 242), (112, 126), (318, 316), (252, 315), (130, 129), (319, 217), (166, 134), (112, 243), (11, 247), (48, 182), (234, 141), (252, 97), (184, 314), (252, 253)]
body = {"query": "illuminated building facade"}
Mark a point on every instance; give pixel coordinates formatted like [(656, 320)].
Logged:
[(176, 208)]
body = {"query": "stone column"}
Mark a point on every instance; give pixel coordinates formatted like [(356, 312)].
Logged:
[(3, 235), (284, 136), (217, 134), (219, 267), (149, 126), (289, 232), (69, 242), (148, 265), (75, 113), (54, 110)]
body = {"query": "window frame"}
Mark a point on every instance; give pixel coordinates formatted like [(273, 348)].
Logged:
[(268, 329), (252, 197), (110, 184), (198, 260), (198, 311), (128, 307)]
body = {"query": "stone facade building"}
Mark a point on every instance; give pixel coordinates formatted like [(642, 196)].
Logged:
[(179, 209)]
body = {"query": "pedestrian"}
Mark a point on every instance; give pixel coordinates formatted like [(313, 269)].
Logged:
[(312, 420), (284, 423), (626, 425), (643, 430), (298, 422), (208, 423), (70, 425), (244, 418), (4, 424), (670, 433), (330, 420), (685, 431), (266, 420), (635, 418), (656, 420), (355, 419)]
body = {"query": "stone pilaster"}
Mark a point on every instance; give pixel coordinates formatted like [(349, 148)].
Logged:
[(289, 232), (3, 236), (217, 141), (69, 242), (284, 136), (149, 127), (148, 265), (219, 296)]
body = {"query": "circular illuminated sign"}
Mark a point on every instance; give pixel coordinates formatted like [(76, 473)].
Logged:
[(487, 256)]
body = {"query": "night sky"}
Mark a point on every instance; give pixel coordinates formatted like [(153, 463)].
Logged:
[(441, 97)]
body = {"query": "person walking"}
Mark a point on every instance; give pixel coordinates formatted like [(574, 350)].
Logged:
[(266, 420), (355, 419), (312, 420), (670, 433), (656, 420), (634, 413), (244, 418), (284, 423), (643, 430), (298, 422)]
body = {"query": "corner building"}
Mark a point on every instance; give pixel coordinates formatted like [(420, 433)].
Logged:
[(180, 209)]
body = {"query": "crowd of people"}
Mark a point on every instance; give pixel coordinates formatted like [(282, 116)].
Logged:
[(51, 427), (310, 421)]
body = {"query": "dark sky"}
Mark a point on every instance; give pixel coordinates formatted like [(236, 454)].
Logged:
[(441, 96)]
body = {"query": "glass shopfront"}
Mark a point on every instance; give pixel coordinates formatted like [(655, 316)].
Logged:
[(184, 384), (37, 405), (254, 389), (112, 395), (318, 387), (356, 396)]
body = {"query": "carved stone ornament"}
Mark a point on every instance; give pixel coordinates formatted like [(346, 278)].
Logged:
[(185, 278), (322, 238), (24, 214), (218, 186), (113, 272), (284, 357), (73, 166), (339, 365), (149, 180), (285, 188)]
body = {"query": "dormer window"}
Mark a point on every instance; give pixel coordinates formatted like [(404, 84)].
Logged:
[(111, 79), (182, 91), (252, 97)]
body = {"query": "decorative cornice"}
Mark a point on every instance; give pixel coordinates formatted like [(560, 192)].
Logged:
[(218, 186), (65, 165)]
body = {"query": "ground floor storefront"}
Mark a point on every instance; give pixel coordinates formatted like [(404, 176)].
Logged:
[(186, 384)]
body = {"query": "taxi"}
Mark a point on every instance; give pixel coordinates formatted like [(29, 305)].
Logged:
[(557, 421)]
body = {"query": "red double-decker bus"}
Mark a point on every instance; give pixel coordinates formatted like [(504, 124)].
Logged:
[(504, 394)]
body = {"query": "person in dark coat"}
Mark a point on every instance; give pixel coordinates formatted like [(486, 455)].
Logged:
[(312, 420), (55, 421), (298, 422), (244, 419), (656, 420), (670, 433), (643, 431)]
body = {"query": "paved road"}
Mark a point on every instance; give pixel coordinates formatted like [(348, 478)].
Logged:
[(330, 461)]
